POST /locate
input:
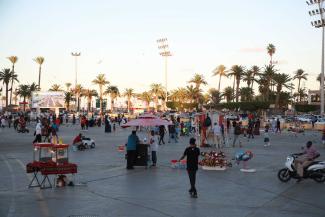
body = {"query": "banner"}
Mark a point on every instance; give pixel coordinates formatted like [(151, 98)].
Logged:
[(48, 99)]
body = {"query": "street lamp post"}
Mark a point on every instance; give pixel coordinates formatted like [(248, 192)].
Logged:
[(319, 23), (76, 55), (164, 52)]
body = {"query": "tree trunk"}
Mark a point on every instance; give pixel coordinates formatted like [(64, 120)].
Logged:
[(237, 90), (7, 95), (89, 104), (148, 106), (233, 89), (299, 89), (39, 77), (12, 82), (156, 102), (129, 104), (100, 100), (24, 103), (112, 104), (219, 82)]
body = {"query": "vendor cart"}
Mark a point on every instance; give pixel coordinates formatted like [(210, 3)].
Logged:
[(49, 159), (142, 155)]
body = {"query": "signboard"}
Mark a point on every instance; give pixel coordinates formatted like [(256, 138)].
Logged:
[(48, 99)]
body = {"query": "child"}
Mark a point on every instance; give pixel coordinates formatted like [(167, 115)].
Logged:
[(154, 148), (266, 138)]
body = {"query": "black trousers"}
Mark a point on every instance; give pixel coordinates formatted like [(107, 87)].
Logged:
[(192, 176), (154, 157), (161, 139), (38, 138), (130, 158)]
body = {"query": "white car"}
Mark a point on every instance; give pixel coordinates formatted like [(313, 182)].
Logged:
[(88, 142), (304, 119)]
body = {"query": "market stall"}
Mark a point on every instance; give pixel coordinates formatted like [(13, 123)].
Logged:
[(49, 159)]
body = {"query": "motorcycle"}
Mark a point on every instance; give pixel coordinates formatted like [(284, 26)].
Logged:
[(315, 171)]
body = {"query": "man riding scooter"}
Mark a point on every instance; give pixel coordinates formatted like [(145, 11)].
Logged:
[(78, 142), (307, 158)]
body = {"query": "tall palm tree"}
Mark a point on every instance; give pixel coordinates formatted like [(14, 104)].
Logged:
[(237, 71), (68, 85), (113, 92), (78, 91), (68, 98), (300, 75), (228, 93), (146, 96), (214, 96), (157, 90), (198, 80), (101, 82), (39, 60), (193, 93), (13, 60), (221, 71), (255, 72), (89, 94), (25, 92), (248, 77), (271, 50), (55, 87), (129, 94), (281, 80), (5, 77)]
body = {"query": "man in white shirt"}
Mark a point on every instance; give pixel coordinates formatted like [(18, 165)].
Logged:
[(216, 134)]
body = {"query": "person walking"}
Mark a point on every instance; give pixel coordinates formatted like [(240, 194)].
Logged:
[(172, 133), (154, 147), (266, 138), (162, 131), (131, 147), (192, 154), (250, 129), (38, 133), (216, 134), (278, 126), (237, 132)]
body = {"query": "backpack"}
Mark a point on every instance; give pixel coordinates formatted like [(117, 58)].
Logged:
[(207, 122)]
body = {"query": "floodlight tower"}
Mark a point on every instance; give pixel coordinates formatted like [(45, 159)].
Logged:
[(319, 22), (164, 52), (76, 55)]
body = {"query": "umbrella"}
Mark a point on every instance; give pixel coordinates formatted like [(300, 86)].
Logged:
[(146, 122)]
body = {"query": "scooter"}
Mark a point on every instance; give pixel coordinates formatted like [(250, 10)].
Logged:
[(315, 171)]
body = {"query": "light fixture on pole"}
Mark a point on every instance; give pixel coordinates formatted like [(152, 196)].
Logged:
[(76, 55), (164, 52), (319, 23)]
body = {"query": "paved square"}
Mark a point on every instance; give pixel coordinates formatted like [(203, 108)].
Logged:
[(111, 190)]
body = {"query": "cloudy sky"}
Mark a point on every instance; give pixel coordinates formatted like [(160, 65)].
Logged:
[(118, 38)]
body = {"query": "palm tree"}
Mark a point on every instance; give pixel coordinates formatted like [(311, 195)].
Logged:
[(39, 60), (157, 90), (89, 94), (271, 50), (237, 71), (5, 77), (267, 78), (198, 80), (101, 82), (77, 91), (248, 77), (113, 92), (255, 72), (55, 87), (13, 60), (25, 92), (68, 98), (246, 94), (228, 93), (281, 80), (300, 75), (33, 87), (221, 71), (146, 96), (214, 96), (68, 85), (129, 94)]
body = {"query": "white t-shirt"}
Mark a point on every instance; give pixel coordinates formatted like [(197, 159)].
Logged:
[(153, 143), (216, 129)]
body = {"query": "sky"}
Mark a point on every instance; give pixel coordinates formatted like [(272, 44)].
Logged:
[(118, 38)]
